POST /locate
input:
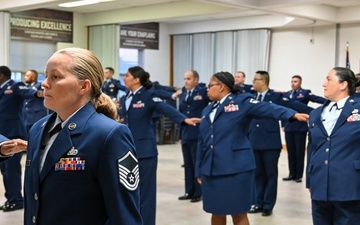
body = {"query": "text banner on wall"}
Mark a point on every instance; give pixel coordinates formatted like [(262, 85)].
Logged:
[(42, 24), (140, 36)]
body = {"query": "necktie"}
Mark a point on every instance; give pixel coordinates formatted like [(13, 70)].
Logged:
[(55, 130), (188, 96), (215, 105), (259, 98), (291, 94), (213, 110), (330, 118), (335, 106), (128, 100)]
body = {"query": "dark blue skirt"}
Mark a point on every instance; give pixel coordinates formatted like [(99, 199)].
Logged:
[(229, 194)]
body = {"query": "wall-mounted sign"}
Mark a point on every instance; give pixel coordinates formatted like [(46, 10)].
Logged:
[(140, 36), (42, 24)]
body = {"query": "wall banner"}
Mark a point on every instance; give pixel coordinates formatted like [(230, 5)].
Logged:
[(42, 24), (140, 36)]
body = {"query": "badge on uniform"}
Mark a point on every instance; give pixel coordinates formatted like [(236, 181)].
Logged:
[(72, 151), (139, 104), (197, 98), (254, 101), (354, 117), (70, 164), (231, 108), (301, 95), (129, 171), (8, 90)]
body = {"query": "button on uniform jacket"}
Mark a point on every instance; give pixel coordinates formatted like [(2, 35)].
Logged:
[(91, 196), (333, 171), (223, 146), (138, 119), (12, 97)]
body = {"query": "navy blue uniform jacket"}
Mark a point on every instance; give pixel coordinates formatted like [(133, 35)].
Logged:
[(34, 109), (223, 146), (333, 171), (246, 88), (264, 133), (138, 118), (304, 96), (192, 108), (12, 97), (91, 196), (112, 88)]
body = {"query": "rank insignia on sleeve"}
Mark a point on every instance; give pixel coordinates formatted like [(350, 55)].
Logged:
[(129, 171)]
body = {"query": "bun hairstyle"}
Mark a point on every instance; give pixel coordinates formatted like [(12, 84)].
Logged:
[(345, 74), (228, 80), (85, 65), (144, 77), (357, 76)]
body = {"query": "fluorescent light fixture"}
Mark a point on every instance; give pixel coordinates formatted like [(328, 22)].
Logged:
[(79, 3)]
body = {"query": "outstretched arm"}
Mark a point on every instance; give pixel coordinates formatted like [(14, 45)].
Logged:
[(10, 147)]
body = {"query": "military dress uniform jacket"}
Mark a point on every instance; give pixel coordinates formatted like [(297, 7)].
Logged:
[(92, 193), (333, 171), (304, 96), (158, 86), (192, 107), (223, 146), (34, 109), (264, 133), (138, 118), (12, 96), (246, 88), (112, 88)]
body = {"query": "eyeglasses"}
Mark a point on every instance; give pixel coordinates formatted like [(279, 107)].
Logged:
[(210, 85), (256, 79)]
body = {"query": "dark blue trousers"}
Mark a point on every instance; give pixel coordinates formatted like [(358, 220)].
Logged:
[(336, 213), (295, 144), (192, 187), (266, 176), (147, 171), (11, 172)]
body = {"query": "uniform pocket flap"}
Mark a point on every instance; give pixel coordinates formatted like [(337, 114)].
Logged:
[(241, 145), (357, 164)]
